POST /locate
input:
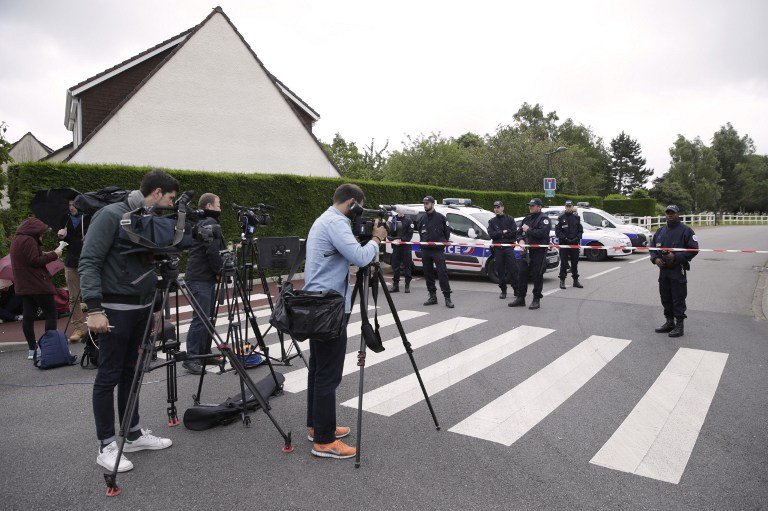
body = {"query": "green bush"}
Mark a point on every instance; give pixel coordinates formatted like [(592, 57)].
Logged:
[(631, 207), (298, 200), (615, 196)]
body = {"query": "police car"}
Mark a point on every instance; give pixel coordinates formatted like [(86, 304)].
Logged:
[(639, 236), (616, 243), (469, 224)]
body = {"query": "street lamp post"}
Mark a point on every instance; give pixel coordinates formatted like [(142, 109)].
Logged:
[(549, 158)]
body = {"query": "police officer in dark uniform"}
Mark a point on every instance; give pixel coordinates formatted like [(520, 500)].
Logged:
[(673, 281), (434, 227), (503, 229), (401, 254), (533, 231), (569, 231)]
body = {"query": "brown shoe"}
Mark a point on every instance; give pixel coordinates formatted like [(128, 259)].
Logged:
[(76, 336), (337, 449), (341, 432)]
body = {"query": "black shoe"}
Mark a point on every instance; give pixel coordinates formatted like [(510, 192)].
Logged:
[(535, 304), (562, 283), (577, 284), (503, 294), (394, 288), (407, 287), (518, 302), (432, 300), (193, 367), (448, 302), (678, 331), (666, 327)]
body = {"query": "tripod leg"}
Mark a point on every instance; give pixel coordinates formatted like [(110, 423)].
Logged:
[(406, 344), (239, 368), (171, 381), (361, 286)]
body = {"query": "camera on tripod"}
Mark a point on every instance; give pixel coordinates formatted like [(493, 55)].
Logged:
[(364, 220), (251, 217)]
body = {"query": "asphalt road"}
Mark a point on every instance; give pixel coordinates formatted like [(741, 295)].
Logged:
[(578, 405)]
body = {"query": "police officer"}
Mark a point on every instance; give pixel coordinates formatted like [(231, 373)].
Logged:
[(569, 231), (673, 282), (503, 229), (533, 231), (401, 254), (434, 227)]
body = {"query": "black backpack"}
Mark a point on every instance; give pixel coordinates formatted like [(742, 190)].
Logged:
[(90, 202)]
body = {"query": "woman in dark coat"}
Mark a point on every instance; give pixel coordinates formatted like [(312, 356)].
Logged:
[(31, 278)]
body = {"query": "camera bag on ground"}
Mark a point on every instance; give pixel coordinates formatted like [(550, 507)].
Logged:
[(89, 203), (53, 351), (308, 314), (202, 417)]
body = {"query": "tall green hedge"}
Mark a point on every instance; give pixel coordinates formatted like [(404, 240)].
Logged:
[(297, 200), (633, 207)]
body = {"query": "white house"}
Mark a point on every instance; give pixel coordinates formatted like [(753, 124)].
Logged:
[(201, 100), (27, 148)]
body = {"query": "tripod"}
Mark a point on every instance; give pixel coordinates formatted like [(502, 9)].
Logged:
[(368, 279), (168, 267), (271, 254)]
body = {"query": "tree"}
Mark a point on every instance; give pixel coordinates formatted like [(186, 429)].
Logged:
[(5, 146), (731, 151), (694, 167), (432, 160), (531, 119), (754, 172), (470, 139), (628, 169), (639, 193), (354, 164), (671, 192)]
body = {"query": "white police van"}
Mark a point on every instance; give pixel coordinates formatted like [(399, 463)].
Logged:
[(616, 243), (639, 236), (469, 224)]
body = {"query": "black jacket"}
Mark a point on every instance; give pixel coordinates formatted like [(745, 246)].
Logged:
[(677, 235), (75, 237), (434, 227), (205, 262), (500, 223), (538, 232), (568, 229)]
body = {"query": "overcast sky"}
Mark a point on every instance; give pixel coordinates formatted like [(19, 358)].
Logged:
[(384, 70)]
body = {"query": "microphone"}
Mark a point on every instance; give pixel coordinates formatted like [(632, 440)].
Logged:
[(400, 209)]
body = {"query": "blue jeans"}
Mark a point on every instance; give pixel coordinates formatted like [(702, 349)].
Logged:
[(204, 293), (118, 354), (326, 365)]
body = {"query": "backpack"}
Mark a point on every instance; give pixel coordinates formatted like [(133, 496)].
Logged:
[(53, 351), (90, 202), (90, 355)]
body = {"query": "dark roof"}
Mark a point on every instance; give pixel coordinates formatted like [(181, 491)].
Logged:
[(65, 146), (189, 33), (36, 140)]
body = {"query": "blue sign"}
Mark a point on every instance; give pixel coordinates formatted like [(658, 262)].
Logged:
[(550, 183)]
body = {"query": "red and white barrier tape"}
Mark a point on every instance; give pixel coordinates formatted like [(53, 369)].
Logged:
[(586, 247)]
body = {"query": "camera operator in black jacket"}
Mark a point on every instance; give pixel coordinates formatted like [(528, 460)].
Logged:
[(503, 229), (569, 232), (202, 272)]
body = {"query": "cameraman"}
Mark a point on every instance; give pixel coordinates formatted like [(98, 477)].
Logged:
[(202, 271), (331, 248), (119, 307)]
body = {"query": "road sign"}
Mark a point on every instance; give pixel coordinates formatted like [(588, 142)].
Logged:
[(550, 183), (549, 193)]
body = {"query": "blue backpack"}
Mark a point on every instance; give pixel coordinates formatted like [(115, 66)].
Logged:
[(53, 351)]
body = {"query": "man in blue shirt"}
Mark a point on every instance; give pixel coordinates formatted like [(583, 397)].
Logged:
[(331, 248)]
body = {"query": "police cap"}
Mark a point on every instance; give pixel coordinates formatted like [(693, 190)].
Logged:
[(429, 198), (672, 208), (498, 203), (569, 203), (535, 202)]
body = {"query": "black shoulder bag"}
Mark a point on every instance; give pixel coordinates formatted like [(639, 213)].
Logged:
[(308, 314)]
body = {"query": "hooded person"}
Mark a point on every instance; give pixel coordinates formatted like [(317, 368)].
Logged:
[(32, 282)]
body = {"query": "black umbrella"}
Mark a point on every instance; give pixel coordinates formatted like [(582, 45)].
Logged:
[(52, 206)]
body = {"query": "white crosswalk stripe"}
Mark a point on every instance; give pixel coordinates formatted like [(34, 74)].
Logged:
[(400, 394), (513, 414), (657, 437), (296, 381)]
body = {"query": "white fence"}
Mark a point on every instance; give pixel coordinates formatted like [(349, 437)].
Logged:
[(654, 222)]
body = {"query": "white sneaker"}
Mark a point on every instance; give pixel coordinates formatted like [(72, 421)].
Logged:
[(147, 441), (107, 458)]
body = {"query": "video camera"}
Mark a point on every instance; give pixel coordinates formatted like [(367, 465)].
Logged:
[(251, 217), (364, 220)]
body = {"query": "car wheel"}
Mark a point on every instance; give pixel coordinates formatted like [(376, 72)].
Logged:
[(490, 270), (596, 255)]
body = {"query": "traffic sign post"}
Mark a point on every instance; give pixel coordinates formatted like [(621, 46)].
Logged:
[(549, 193), (550, 185)]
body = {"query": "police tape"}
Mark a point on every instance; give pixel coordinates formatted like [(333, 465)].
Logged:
[(585, 247)]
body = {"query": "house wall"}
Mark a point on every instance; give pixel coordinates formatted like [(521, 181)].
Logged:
[(27, 149), (210, 107)]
